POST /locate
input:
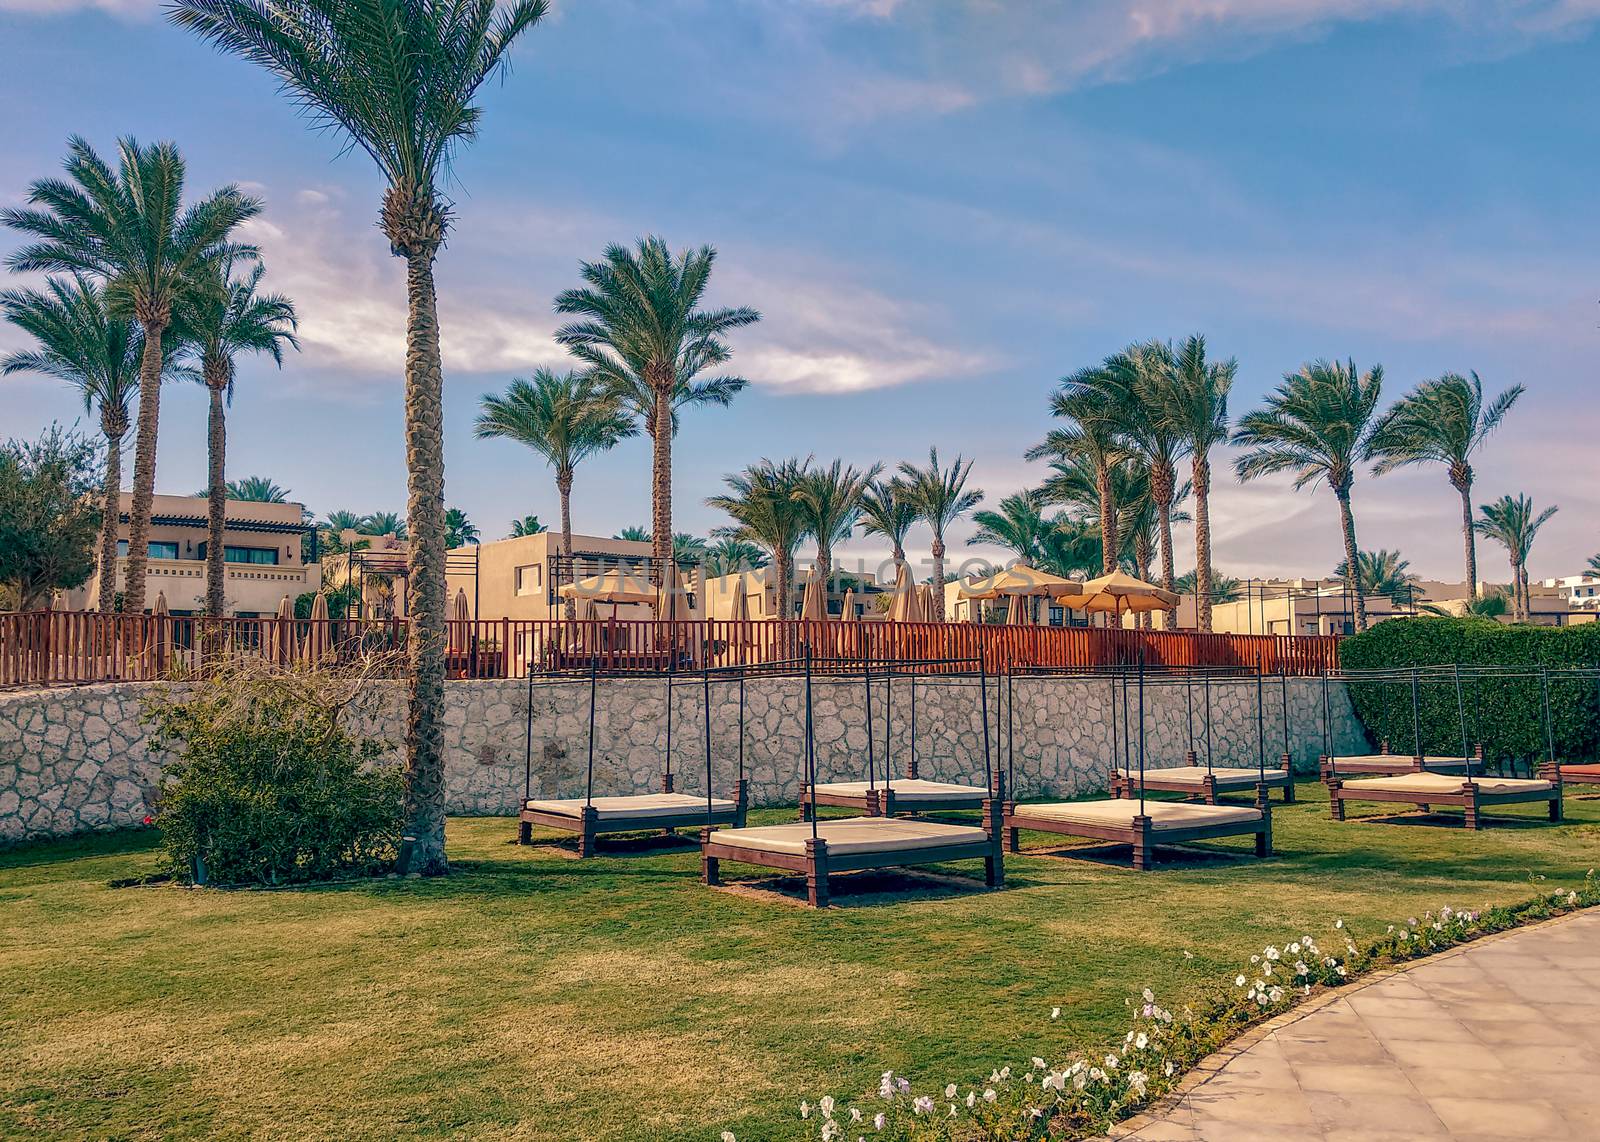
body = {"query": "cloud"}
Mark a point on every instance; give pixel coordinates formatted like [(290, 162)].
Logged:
[(133, 9)]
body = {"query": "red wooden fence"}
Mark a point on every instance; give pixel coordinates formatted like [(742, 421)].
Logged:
[(51, 648)]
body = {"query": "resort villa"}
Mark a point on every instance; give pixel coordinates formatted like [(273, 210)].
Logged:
[(261, 555)]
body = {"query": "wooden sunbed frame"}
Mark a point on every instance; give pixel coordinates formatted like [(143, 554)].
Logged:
[(1122, 785), (1400, 766), (817, 863), (879, 802), (588, 825), (1472, 800), (1140, 834), (1579, 774)]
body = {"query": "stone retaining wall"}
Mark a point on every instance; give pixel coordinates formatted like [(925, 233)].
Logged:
[(73, 760)]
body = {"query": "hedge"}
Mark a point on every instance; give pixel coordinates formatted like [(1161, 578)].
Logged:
[(1506, 715)]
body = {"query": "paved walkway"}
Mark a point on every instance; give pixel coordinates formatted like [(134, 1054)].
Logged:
[(1499, 1039)]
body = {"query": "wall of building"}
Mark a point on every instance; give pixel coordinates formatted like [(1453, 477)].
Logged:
[(73, 760)]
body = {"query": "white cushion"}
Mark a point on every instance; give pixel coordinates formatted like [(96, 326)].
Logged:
[(1402, 762), (640, 805), (907, 791), (1226, 776), (853, 835), (1119, 812), (1447, 783)]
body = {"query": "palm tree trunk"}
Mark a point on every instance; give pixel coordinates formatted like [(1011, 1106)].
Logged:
[(111, 509), (425, 646), (564, 490), (661, 476), (1202, 541), (1352, 563), (1163, 481), (216, 495), (1468, 536), (1108, 520), (144, 465), (938, 577), (824, 559), (782, 569)]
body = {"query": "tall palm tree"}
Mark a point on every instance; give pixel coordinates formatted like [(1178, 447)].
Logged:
[(641, 331), (399, 80), (1317, 424), (1224, 588), (634, 534), (460, 531), (129, 228), (1510, 521), (1091, 439), (830, 500), (384, 523), (762, 503), (527, 525), (1383, 574), (1443, 422), (1594, 565), (729, 555), (1019, 525), (224, 315), (565, 417), (1193, 404), (885, 512), (82, 343), (259, 490), (940, 496), (1070, 547)]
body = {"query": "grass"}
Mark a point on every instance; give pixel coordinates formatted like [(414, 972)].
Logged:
[(531, 995)]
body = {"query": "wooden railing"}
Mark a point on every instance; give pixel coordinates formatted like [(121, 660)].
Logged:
[(51, 648)]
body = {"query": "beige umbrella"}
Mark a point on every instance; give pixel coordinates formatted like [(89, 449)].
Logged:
[(847, 609), (319, 635), (904, 605), (1019, 579), (1018, 610), (615, 586), (814, 602), (161, 620), (925, 610), (1119, 593), (672, 601), (463, 618), (282, 636)]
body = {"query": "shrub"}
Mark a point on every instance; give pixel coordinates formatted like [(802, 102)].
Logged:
[(1505, 714), (267, 787)]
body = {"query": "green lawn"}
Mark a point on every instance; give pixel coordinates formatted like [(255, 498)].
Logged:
[(531, 995)]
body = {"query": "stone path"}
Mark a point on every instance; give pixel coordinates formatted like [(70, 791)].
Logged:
[(1494, 1040)]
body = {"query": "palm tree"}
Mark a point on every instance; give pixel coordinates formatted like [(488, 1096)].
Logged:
[(565, 417), (1093, 442), (1443, 422), (830, 501), (224, 315), (80, 342), (1383, 574), (1070, 547), (1317, 424), (634, 534), (1511, 522), (1019, 526), (1224, 588), (1594, 565), (641, 331), (940, 497), (762, 503), (398, 80), (886, 512), (383, 523), (728, 556), (258, 490), (527, 525), (459, 530), (129, 228), (1193, 404)]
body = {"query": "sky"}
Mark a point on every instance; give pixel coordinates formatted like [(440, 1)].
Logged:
[(940, 207)]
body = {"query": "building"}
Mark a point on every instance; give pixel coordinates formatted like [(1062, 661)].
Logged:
[(372, 570), (1322, 606), (261, 557), (1582, 592), (760, 587), (521, 577)]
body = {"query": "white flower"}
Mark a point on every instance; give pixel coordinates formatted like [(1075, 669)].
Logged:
[(727, 1136), (1111, 1062), (989, 1095), (1038, 1063), (805, 1110), (1338, 923), (1255, 959), (1141, 1042), (1055, 1013), (923, 1105), (1271, 953), (1238, 981), (1340, 970), (855, 1115), (1169, 1068), (825, 1104), (830, 1130), (972, 1099), (880, 1120), (1300, 967), (950, 1090), (1149, 996), (1137, 1081), (1188, 955), (1079, 1081)]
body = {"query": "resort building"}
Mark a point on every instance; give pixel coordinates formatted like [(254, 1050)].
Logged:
[(261, 557), (760, 589), (373, 570), (1582, 592), (522, 577)]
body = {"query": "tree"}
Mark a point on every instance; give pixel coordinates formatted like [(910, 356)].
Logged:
[(527, 525), (1443, 422), (645, 339), (728, 555), (1510, 521), (762, 503), (49, 516), (1224, 588), (384, 523), (1594, 565), (1019, 526), (1194, 406), (1070, 547), (1092, 440), (885, 512), (130, 229), (565, 418), (223, 316), (1317, 424), (459, 530), (1383, 574), (940, 497), (687, 548), (399, 81), (830, 500), (259, 490), (634, 534), (83, 343)]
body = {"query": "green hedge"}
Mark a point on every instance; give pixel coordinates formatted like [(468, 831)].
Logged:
[(1505, 715)]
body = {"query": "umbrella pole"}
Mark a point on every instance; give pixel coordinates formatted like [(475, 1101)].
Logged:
[(705, 687)]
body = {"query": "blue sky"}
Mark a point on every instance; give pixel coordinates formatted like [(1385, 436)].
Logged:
[(941, 208)]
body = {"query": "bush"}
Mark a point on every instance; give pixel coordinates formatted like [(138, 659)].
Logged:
[(267, 787), (1506, 715)]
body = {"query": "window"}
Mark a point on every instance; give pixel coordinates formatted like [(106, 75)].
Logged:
[(231, 554), (530, 578), (155, 548)]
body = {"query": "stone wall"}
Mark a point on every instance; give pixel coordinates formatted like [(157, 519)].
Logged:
[(79, 759)]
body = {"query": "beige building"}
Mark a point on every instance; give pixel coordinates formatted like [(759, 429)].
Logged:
[(1321, 606), (760, 588), (376, 567), (520, 578), (261, 554)]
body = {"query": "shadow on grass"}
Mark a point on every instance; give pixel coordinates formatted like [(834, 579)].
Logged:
[(1454, 821), (618, 844), (867, 888), (1165, 856)]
